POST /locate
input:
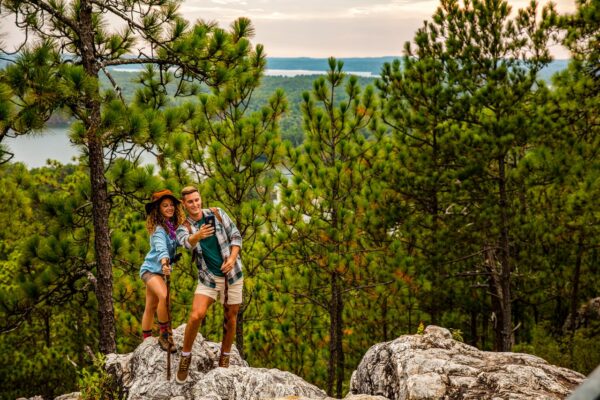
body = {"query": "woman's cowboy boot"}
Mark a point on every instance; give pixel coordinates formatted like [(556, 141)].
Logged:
[(165, 339), (224, 360)]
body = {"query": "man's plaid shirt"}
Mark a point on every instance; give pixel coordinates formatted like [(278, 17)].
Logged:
[(227, 235)]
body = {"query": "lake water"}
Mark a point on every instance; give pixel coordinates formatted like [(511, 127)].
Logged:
[(35, 150), (299, 72), (54, 144)]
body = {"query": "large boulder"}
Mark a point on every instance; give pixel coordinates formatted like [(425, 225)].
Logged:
[(434, 366), (142, 375)]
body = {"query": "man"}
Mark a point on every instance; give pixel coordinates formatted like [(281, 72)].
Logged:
[(217, 258)]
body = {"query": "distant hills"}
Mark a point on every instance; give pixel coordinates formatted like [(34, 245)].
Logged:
[(369, 64), (365, 65), (356, 64)]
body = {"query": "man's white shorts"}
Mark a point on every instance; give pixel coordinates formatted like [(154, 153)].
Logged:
[(234, 294)]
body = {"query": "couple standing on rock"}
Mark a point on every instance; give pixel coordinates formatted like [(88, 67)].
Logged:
[(215, 243)]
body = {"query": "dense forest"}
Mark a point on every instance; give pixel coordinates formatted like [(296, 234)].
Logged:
[(458, 189)]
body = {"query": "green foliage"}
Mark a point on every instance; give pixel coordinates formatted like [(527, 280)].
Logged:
[(326, 209), (462, 181), (95, 383), (457, 334), (579, 352), (45, 370)]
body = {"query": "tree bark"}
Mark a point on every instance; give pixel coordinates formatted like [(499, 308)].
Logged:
[(336, 352), (506, 322), (474, 337), (339, 339), (100, 203), (575, 285), (100, 212), (575, 297), (239, 331), (384, 321), (332, 340)]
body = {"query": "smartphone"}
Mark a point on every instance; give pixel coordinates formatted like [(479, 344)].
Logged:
[(210, 220)]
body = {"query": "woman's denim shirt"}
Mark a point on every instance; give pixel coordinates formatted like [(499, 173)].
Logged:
[(161, 246)]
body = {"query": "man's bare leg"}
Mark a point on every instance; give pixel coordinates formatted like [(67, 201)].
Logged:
[(199, 308), (231, 312)]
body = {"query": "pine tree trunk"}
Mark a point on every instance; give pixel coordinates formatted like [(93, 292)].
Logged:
[(474, 338), (332, 339), (336, 352), (484, 332), (506, 320), (47, 330), (437, 289), (239, 331), (100, 212), (496, 297), (384, 321), (575, 285), (575, 297), (338, 340), (100, 204)]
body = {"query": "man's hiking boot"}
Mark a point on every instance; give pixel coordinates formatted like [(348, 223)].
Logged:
[(224, 360), (164, 340), (184, 369)]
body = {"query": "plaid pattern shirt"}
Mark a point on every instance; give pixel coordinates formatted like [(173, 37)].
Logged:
[(227, 235)]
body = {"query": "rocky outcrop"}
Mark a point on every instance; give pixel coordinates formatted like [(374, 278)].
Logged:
[(68, 396), (434, 366), (412, 367), (142, 375)]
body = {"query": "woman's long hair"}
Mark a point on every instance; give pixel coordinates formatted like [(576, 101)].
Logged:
[(155, 218)]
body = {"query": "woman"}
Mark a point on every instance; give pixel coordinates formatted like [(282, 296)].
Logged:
[(164, 215)]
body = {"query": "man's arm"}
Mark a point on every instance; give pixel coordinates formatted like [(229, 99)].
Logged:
[(190, 240), (234, 235), (235, 242), (229, 263)]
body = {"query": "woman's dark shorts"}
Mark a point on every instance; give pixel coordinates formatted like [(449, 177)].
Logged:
[(147, 275)]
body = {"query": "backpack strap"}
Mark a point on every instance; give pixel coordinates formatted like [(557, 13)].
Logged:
[(215, 211), (194, 251)]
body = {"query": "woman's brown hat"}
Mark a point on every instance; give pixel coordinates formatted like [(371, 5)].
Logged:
[(157, 198)]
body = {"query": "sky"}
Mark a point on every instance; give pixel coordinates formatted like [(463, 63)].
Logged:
[(324, 28), (339, 28)]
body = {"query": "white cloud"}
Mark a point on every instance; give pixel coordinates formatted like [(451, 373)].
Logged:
[(320, 28), (241, 2), (413, 8)]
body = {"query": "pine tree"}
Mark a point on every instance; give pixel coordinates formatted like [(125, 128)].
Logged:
[(74, 47), (496, 63), (325, 203), (46, 311), (563, 169), (421, 170)]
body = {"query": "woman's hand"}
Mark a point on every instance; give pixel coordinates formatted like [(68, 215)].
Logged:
[(166, 269)]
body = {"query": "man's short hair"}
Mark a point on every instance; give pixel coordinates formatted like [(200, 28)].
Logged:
[(188, 190)]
